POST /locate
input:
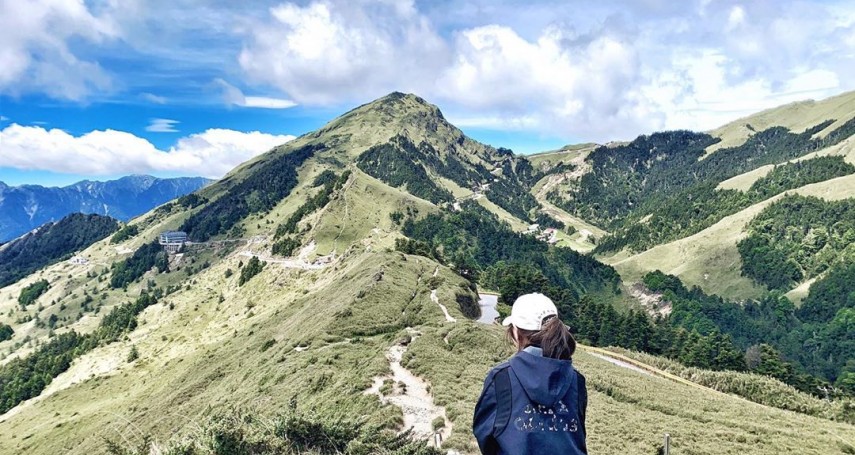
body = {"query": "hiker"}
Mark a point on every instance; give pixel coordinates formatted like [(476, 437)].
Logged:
[(535, 402)]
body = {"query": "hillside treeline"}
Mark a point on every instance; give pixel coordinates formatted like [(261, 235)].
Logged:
[(264, 186), (52, 243), (25, 378), (809, 347), (702, 331), (487, 251), (477, 242), (402, 164), (798, 238), (662, 187)]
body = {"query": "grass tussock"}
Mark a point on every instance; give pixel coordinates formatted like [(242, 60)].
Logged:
[(244, 433), (757, 388)]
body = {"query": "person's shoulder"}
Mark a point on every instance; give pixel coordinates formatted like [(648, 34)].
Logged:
[(580, 377)]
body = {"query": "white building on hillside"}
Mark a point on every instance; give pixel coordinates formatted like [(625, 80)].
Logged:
[(172, 241)]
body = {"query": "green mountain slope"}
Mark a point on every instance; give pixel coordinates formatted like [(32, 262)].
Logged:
[(710, 258), (50, 243), (668, 200), (335, 277), (797, 117)]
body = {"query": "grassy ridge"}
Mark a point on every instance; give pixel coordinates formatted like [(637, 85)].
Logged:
[(629, 183), (710, 259), (311, 341), (754, 387)]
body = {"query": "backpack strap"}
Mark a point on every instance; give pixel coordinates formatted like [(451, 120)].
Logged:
[(504, 401), (574, 387)]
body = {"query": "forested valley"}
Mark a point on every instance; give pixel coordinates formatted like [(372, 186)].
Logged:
[(662, 187)]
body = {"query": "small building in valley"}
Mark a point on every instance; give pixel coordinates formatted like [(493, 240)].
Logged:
[(172, 241), (79, 260)]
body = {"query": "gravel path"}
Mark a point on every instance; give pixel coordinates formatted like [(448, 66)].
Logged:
[(413, 398), (620, 363), (435, 299)]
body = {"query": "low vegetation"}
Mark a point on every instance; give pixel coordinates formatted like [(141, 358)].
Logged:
[(829, 295), (698, 207), (191, 201), (798, 238), (473, 240), (252, 268), (513, 197), (146, 257), (399, 163), (628, 177), (755, 387), (32, 292), (127, 231), (25, 378), (488, 252), (243, 433), (6, 332), (809, 356), (259, 191), (316, 202), (656, 188)]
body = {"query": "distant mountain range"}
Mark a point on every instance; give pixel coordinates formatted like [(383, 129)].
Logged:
[(25, 207)]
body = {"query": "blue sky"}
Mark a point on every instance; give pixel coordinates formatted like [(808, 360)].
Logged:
[(100, 89)]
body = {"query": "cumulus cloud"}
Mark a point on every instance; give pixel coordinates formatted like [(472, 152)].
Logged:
[(35, 54), (621, 69), (326, 52), (548, 82), (211, 153), (589, 70), (162, 125)]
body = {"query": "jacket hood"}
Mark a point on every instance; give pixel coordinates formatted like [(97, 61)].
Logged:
[(544, 379)]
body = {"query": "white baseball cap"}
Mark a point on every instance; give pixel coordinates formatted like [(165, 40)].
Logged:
[(529, 310)]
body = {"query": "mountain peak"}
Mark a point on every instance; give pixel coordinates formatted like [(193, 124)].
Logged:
[(403, 97), (401, 105), (395, 114)]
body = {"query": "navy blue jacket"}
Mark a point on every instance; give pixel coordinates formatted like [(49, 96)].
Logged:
[(548, 405)]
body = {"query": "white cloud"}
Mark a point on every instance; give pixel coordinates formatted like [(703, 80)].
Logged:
[(593, 71), (328, 52), (3, 118), (617, 71), (494, 122), (152, 98), (268, 103), (211, 153), (736, 17), (556, 82), (35, 54), (162, 125), (233, 96)]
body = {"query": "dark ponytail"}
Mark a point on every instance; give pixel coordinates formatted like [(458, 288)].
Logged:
[(553, 337)]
